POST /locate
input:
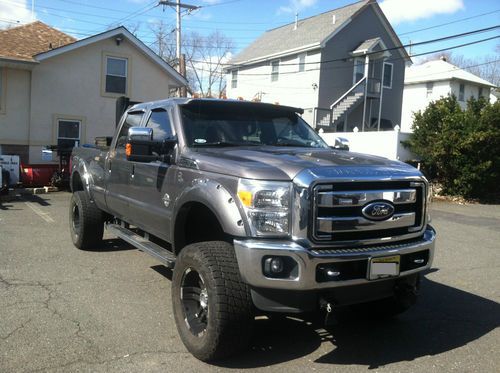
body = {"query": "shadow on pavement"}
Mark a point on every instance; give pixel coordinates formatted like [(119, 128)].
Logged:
[(444, 319), (114, 244), (8, 202)]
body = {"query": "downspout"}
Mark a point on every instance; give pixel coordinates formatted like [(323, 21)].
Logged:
[(367, 65), (381, 95), (29, 114)]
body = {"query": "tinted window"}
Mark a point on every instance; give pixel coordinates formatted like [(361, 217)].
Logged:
[(235, 124), (132, 120), (159, 121)]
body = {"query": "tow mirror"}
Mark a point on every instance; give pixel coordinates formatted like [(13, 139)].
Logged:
[(141, 147), (341, 143)]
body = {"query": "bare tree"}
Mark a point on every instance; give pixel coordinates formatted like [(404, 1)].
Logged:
[(164, 41), (205, 58)]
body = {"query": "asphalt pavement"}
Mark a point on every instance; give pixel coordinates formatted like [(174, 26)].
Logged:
[(65, 310)]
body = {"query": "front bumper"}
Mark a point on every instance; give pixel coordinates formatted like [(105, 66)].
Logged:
[(251, 253)]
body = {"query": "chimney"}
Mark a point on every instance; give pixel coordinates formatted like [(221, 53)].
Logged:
[(333, 19), (296, 21)]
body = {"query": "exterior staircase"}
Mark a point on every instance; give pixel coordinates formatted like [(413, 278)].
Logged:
[(349, 100), (345, 105)]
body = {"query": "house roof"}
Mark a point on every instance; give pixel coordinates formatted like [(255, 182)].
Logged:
[(36, 41), (367, 46), (119, 31), (22, 43), (440, 70), (311, 33)]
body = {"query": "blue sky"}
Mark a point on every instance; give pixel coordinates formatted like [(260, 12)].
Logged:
[(245, 20)]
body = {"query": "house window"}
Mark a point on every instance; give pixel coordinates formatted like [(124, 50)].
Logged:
[(116, 75), (234, 79), (480, 92), (359, 70), (430, 87), (388, 75), (302, 62), (275, 70), (461, 93), (159, 121), (68, 133)]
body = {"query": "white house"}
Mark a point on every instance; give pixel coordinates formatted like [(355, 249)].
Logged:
[(54, 88), (435, 79)]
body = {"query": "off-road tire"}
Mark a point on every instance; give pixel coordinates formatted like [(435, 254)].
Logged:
[(86, 222), (230, 309)]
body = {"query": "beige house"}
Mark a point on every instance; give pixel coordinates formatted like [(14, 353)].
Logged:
[(56, 89)]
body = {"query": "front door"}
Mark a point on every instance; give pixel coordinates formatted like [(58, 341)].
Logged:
[(119, 170), (150, 208)]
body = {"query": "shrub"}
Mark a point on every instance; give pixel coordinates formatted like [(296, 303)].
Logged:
[(460, 148)]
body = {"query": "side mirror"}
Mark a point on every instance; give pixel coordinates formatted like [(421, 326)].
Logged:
[(341, 143), (141, 147)]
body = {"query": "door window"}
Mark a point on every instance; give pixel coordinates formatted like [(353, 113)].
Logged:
[(359, 70), (159, 121), (133, 119)]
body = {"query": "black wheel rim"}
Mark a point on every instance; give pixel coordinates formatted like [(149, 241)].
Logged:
[(75, 218), (194, 300)]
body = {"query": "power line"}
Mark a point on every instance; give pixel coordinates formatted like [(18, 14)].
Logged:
[(449, 37), (350, 66), (449, 23)]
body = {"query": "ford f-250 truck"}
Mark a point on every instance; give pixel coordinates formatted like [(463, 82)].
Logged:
[(254, 213)]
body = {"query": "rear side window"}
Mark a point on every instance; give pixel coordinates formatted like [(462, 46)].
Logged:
[(159, 121), (133, 119)]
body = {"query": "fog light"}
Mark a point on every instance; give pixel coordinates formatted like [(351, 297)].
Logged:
[(280, 267), (276, 265), (273, 265)]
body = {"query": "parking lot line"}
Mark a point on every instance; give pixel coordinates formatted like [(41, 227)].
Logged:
[(44, 215)]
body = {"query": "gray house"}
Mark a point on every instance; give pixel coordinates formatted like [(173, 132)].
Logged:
[(345, 67)]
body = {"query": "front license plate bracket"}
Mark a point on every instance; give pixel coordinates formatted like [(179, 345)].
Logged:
[(383, 267)]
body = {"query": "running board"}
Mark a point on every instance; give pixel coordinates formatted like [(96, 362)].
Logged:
[(143, 244)]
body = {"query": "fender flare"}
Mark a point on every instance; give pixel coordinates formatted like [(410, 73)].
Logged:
[(218, 200)]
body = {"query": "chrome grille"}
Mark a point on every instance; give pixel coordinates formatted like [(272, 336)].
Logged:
[(337, 210)]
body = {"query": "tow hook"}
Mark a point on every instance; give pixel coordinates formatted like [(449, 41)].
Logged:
[(328, 307)]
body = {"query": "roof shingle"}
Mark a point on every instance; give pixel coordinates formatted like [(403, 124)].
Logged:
[(24, 42), (309, 31)]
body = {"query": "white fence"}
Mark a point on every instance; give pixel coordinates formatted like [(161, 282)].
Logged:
[(384, 143)]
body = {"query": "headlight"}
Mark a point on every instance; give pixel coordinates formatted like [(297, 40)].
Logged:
[(267, 206)]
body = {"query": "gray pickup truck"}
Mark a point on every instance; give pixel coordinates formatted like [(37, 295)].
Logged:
[(255, 214)]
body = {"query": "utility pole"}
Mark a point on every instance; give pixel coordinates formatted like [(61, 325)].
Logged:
[(181, 62), (178, 7)]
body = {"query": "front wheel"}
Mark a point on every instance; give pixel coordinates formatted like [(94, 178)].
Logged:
[(86, 221), (212, 305)]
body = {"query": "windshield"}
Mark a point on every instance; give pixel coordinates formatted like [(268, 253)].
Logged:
[(219, 123)]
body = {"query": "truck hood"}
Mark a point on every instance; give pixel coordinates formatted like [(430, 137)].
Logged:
[(278, 163)]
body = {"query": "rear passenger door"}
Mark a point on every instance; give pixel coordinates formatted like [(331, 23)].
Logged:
[(149, 187), (119, 170)]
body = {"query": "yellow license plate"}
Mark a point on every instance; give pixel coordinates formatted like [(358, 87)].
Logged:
[(386, 266)]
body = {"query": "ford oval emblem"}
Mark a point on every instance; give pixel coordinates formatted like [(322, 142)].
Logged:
[(378, 210)]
